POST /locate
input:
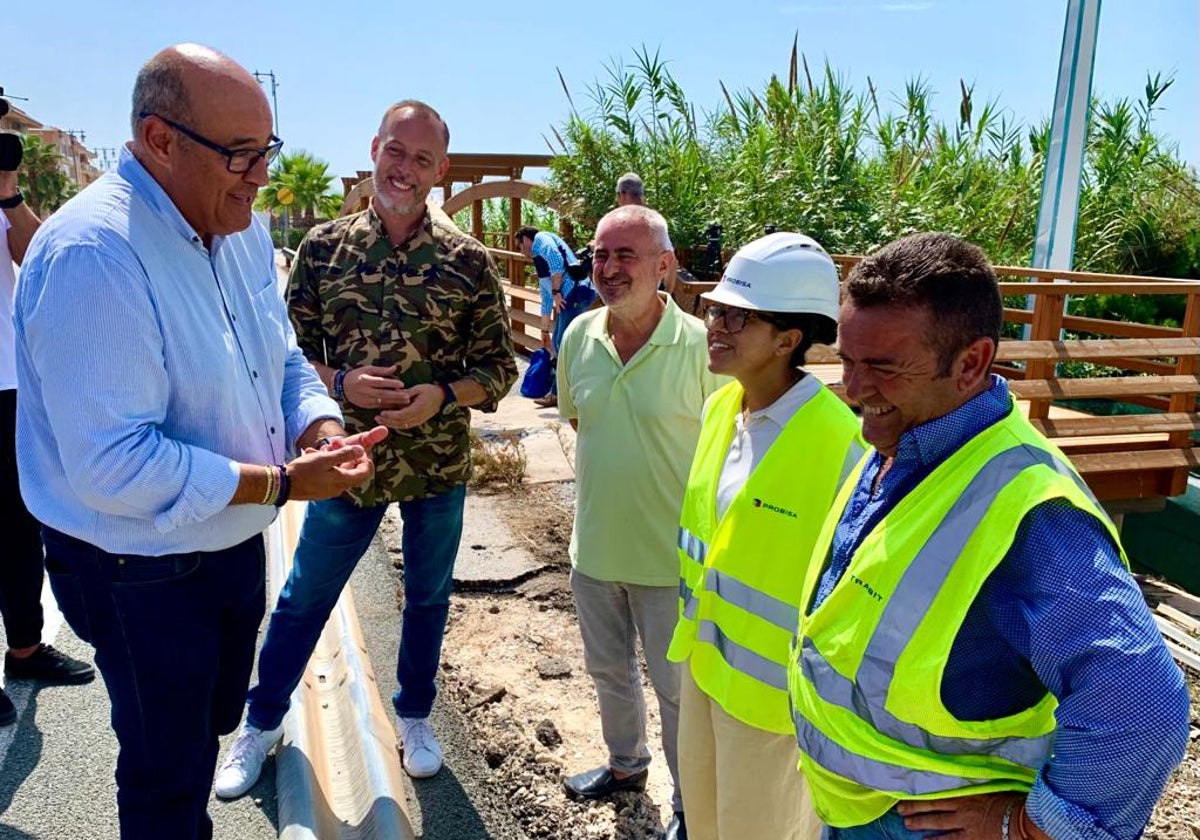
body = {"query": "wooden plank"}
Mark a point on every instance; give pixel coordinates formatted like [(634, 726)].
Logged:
[(528, 319), (522, 293), (1101, 348), (1119, 329), (1181, 287), (1184, 656), (1125, 424), (1177, 635), (1112, 387), (1187, 622), (1156, 459)]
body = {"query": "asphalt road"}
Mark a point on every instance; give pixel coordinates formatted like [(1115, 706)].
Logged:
[(57, 760)]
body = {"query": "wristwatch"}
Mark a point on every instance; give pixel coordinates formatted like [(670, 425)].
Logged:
[(451, 398), (12, 201)]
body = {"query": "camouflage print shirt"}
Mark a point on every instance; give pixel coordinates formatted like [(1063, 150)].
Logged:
[(434, 306)]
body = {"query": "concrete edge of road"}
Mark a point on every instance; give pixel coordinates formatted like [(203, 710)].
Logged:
[(338, 771)]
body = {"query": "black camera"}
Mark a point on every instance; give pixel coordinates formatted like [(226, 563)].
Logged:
[(11, 148)]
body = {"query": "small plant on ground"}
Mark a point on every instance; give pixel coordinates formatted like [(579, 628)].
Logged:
[(497, 460)]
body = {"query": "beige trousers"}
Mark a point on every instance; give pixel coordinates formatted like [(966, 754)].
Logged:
[(738, 782)]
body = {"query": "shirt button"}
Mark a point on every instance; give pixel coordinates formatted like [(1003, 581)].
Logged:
[(255, 373), (272, 430), (231, 315)]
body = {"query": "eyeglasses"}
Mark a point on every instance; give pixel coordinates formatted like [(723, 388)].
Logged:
[(734, 319), (236, 160)]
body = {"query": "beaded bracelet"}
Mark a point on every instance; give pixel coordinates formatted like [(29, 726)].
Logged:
[(1007, 819), (268, 496), (285, 486)]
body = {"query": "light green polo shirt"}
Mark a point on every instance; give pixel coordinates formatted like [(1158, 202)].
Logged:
[(638, 427)]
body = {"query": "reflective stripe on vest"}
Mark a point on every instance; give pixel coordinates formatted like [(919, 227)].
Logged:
[(866, 696), (741, 658)]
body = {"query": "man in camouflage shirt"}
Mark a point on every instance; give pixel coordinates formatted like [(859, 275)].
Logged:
[(403, 317)]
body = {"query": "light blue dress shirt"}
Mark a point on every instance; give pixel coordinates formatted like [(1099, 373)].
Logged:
[(149, 367)]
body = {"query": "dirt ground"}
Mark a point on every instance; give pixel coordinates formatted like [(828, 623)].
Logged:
[(513, 662)]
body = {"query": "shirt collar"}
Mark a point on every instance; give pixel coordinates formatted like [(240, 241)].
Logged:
[(421, 235), (668, 330), (932, 442), (150, 191), (789, 402)]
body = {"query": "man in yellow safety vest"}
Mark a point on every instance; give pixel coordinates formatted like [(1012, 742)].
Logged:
[(973, 655)]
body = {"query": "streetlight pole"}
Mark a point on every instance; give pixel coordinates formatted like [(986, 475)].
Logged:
[(270, 76), (261, 78)]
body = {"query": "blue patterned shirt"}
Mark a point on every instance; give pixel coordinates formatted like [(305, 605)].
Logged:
[(1059, 613), (149, 366), (547, 261)]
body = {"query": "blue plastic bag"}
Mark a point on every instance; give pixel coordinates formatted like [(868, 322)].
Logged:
[(540, 375)]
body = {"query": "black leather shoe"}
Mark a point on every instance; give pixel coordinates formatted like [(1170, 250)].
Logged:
[(676, 828), (48, 665), (8, 712), (599, 783)]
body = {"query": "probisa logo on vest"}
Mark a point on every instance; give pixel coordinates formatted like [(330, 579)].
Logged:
[(759, 503)]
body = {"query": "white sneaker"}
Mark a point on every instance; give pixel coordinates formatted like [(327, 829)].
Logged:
[(243, 764), (422, 752)]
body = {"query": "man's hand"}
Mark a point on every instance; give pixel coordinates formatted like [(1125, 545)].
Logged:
[(559, 303), (425, 400), (371, 386), (334, 470), (968, 817), (366, 440)]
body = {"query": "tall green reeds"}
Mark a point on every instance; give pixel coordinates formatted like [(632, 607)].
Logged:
[(856, 169)]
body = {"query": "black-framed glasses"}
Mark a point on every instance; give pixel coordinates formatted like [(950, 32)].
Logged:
[(733, 318), (236, 160)]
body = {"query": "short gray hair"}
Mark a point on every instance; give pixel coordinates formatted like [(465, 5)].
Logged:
[(631, 184), (650, 218), (160, 89)]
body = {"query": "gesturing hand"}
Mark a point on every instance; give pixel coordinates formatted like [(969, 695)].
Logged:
[(372, 386), (343, 464)]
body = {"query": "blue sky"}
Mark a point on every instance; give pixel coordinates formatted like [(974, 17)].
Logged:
[(490, 67)]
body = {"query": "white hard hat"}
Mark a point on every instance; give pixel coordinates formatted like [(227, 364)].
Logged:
[(781, 272)]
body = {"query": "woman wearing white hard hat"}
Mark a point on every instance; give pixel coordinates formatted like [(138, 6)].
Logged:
[(774, 449)]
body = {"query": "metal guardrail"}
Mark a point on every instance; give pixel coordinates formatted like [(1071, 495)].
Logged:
[(338, 774)]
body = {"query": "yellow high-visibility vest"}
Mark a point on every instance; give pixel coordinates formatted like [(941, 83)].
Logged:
[(740, 578), (865, 676)]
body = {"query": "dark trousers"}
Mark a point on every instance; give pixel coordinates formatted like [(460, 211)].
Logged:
[(174, 638), (21, 566)]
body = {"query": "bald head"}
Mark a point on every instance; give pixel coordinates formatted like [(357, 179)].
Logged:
[(171, 82)]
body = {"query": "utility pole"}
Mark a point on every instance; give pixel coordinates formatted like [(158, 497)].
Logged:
[(75, 134), (270, 76), (108, 156)]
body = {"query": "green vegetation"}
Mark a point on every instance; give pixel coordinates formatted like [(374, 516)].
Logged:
[(854, 169), (310, 185), (495, 219), (41, 178)]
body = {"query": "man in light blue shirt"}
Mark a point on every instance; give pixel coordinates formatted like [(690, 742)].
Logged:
[(561, 302), (162, 396)]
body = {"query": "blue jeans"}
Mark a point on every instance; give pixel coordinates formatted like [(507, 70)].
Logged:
[(564, 319), (174, 638), (888, 827), (335, 534)]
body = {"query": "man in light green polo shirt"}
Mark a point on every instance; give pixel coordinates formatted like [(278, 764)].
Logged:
[(632, 377)]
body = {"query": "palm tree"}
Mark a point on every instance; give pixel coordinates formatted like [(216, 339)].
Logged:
[(310, 184), (41, 178)]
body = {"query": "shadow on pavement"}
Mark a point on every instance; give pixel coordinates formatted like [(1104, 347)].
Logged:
[(20, 762), (447, 810)]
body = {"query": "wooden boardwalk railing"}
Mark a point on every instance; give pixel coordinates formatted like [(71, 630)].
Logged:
[(1131, 460)]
